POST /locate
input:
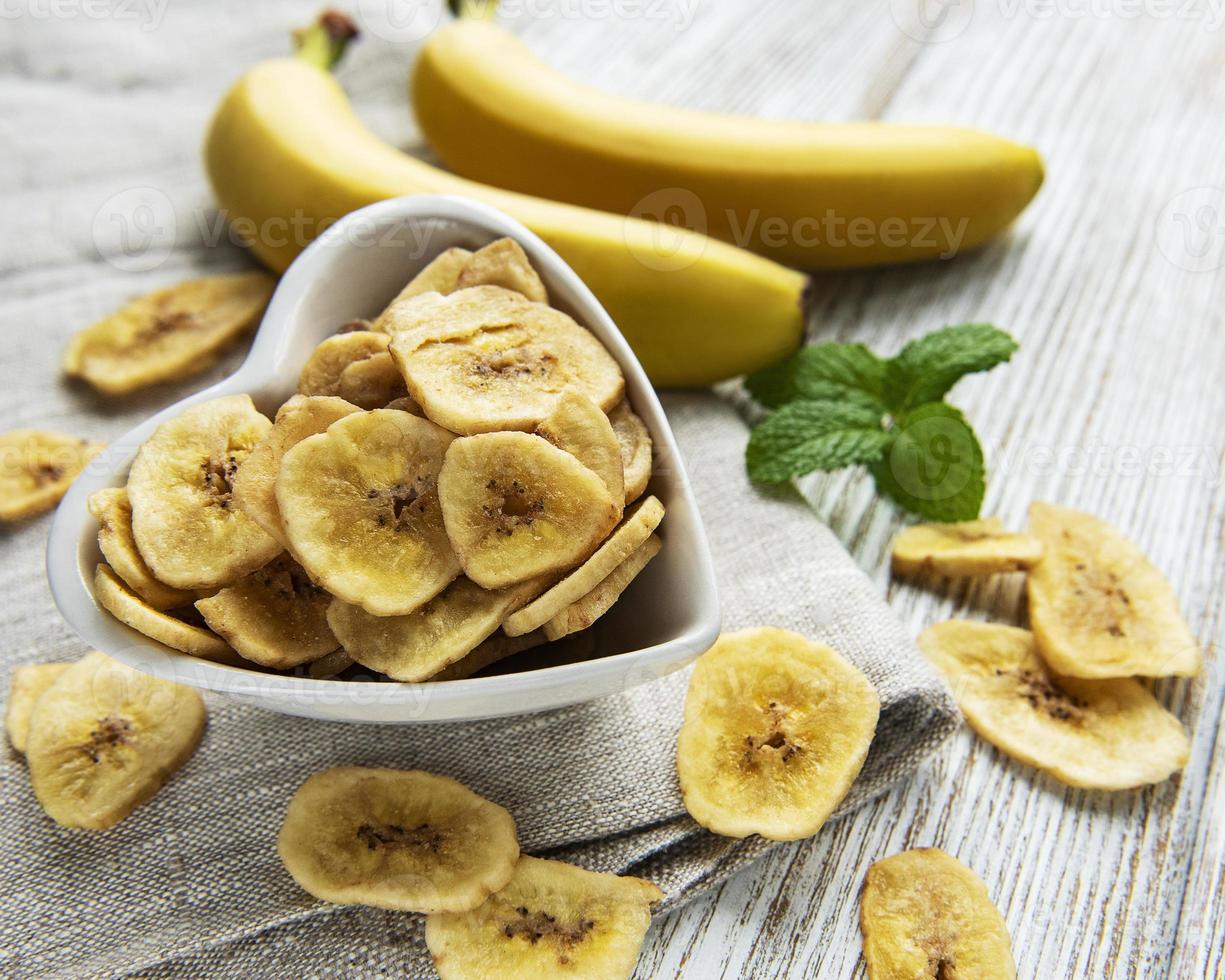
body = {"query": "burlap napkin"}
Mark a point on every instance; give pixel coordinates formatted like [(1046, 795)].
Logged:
[(190, 885)]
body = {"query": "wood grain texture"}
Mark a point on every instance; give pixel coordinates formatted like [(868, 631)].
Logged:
[(1111, 281)]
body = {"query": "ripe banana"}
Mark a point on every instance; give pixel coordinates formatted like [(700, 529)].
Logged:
[(807, 194), (286, 156)]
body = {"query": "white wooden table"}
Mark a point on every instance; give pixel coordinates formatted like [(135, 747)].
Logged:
[(1112, 282)]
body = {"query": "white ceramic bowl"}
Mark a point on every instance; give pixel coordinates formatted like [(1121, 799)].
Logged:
[(666, 618)]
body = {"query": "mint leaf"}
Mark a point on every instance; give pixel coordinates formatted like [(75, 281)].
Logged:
[(934, 465), (814, 435), (818, 373), (925, 369)]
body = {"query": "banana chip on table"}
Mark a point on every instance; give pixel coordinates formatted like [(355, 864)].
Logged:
[(275, 617), (579, 426), (1096, 734), (516, 507), (980, 547), (37, 468), (168, 334), (503, 263), (360, 508), (551, 920), (583, 612), (440, 276), (417, 646), (255, 481), (776, 729), (111, 508), (1097, 605), (925, 914), (629, 536), (104, 738), (635, 442), (131, 610), (485, 359), (181, 492), (27, 685), (396, 839)]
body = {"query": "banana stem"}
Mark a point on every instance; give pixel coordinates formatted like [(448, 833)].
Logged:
[(475, 9), (324, 42)]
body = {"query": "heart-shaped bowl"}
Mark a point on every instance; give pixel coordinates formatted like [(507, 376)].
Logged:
[(668, 616)]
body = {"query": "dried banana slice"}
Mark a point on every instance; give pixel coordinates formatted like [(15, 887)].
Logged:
[(635, 450), (406, 404), (503, 263), (127, 607), (485, 359), (181, 492), (326, 366), (27, 685), (1098, 606), (516, 506), (979, 547), (417, 646), (255, 482), (925, 914), (551, 920), (583, 612), (491, 651), (1099, 734), (372, 383), (37, 468), (440, 276), (394, 839), (620, 545), (776, 729), (276, 616), (360, 507), (579, 426), (336, 662), (168, 334), (114, 514), (104, 738)]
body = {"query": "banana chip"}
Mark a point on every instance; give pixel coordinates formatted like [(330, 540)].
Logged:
[(114, 514), (181, 492), (417, 646), (491, 651), (410, 841), (632, 533), (516, 507), (551, 920), (255, 482), (635, 443), (336, 662), (127, 607), (583, 612), (27, 685), (325, 369), (979, 547), (374, 382), (360, 508), (440, 276), (37, 468), (579, 426), (485, 359), (776, 729), (276, 616), (1098, 606), (104, 738), (503, 263), (925, 914), (168, 334), (1098, 734)]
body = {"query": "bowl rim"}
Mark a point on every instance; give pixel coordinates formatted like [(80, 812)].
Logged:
[(73, 593)]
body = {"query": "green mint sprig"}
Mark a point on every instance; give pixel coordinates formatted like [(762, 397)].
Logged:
[(837, 405)]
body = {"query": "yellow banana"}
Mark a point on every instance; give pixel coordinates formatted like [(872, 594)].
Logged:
[(807, 194), (286, 156)]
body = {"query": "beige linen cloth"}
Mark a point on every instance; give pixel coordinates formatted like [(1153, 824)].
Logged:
[(190, 885)]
